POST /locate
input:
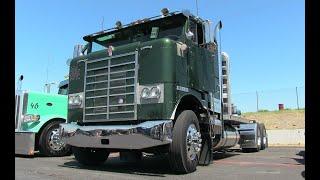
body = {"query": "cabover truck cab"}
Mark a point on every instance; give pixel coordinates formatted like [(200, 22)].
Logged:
[(37, 118), (150, 86)]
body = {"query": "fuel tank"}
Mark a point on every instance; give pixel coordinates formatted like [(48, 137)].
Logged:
[(228, 139)]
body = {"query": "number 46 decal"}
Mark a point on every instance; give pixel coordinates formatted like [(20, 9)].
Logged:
[(34, 105)]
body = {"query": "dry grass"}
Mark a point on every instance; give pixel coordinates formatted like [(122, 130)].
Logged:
[(285, 119)]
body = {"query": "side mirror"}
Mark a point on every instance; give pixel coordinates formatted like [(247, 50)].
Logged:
[(239, 112), (189, 34), (77, 50)]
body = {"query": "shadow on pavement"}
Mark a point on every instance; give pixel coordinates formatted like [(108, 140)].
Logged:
[(301, 161), (149, 166), (36, 154), (221, 155)]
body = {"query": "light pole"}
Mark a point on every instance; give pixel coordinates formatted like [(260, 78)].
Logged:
[(257, 101), (297, 97), (47, 86)]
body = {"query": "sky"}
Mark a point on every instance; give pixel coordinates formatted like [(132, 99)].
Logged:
[(265, 41)]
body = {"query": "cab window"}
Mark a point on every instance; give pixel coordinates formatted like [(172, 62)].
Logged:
[(197, 30), (63, 90)]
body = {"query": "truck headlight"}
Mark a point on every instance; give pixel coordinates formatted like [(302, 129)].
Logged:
[(145, 93), (30, 118), (155, 92), (75, 100), (151, 94)]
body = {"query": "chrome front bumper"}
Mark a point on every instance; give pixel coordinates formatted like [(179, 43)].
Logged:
[(24, 142), (140, 136)]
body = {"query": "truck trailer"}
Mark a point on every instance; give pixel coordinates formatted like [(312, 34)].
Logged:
[(154, 86)]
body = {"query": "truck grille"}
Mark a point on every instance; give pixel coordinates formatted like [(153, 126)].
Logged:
[(110, 88), (21, 99)]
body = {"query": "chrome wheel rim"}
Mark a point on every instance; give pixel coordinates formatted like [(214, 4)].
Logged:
[(55, 141), (193, 142)]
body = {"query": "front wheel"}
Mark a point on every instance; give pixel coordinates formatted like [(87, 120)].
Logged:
[(90, 156), (50, 143), (186, 143)]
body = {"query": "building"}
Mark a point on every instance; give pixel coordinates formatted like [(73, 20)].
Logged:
[(226, 90)]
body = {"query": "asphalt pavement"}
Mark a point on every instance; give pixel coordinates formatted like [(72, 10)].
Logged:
[(272, 163)]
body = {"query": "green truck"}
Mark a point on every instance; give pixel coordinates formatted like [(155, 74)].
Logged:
[(153, 86), (37, 119)]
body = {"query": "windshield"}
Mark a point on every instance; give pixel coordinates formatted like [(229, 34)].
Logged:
[(63, 90), (170, 27)]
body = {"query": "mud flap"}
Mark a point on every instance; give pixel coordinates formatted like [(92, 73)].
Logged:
[(24, 143), (206, 153)]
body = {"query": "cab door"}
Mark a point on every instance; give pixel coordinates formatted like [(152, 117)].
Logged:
[(196, 59)]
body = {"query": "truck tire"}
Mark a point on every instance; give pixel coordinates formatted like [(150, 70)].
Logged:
[(50, 143), (90, 156), (258, 142), (184, 152)]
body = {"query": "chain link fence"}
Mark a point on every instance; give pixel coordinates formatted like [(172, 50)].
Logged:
[(270, 100)]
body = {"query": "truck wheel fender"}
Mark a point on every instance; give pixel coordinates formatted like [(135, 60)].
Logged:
[(44, 124), (180, 102), (45, 120), (189, 102)]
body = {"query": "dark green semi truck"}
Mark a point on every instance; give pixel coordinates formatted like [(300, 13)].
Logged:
[(153, 86)]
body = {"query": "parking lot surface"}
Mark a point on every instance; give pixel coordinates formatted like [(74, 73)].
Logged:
[(272, 163)]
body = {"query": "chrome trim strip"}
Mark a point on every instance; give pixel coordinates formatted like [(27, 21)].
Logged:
[(102, 74), (93, 97), (146, 47), (116, 87), (121, 112), (99, 68), (99, 89), (122, 71), (115, 105), (96, 107), (111, 57), (84, 89), (97, 82), (122, 64), (94, 114), (82, 60), (108, 91), (118, 79), (136, 83), (120, 94)]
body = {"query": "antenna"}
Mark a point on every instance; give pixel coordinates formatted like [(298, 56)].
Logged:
[(197, 6), (47, 70), (102, 23), (47, 86)]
